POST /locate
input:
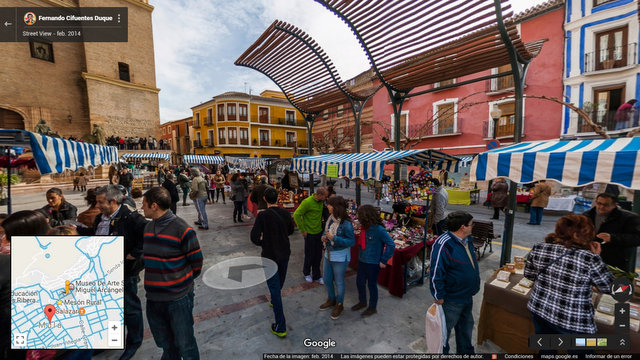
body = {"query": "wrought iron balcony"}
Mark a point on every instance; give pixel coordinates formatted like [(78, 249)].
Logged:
[(210, 142), (197, 143), (606, 119), (611, 58)]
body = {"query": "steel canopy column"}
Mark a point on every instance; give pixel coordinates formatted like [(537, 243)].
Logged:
[(310, 118), (397, 100), (357, 107), (519, 72)]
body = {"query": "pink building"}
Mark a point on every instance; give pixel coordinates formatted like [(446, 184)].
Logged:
[(458, 121)]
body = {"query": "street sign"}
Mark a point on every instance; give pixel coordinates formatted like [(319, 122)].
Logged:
[(493, 144), (332, 170)]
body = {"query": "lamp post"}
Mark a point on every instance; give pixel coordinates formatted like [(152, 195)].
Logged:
[(495, 114)]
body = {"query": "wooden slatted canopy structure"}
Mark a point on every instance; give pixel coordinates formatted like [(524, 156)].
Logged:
[(305, 74), (414, 43)]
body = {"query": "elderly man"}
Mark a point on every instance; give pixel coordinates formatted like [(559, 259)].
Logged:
[(455, 279), (308, 217), (618, 229), (117, 219), (199, 196), (173, 260), (440, 202)]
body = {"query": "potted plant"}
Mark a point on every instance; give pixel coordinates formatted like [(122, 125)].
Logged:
[(3, 181)]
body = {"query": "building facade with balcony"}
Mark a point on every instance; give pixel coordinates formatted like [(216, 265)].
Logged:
[(457, 120), (244, 125), (601, 64)]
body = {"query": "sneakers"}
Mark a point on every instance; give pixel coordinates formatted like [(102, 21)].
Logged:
[(308, 278), (203, 227), (337, 311), (320, 281), (278, 333), (197, 222), (358, 306), (368, 312), (328, 304)]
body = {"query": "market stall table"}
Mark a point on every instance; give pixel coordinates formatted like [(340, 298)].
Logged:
[(506, 321), (520, 198), (253, 208), (394, 276), (463, 197), (561, 203)]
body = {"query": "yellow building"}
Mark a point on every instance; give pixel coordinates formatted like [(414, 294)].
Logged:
[(244, 125)]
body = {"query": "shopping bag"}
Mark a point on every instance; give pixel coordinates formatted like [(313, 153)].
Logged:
[(435, 329)]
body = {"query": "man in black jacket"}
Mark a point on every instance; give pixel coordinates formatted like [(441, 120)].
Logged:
[(120, 220), (618, 229), (170, 185), (271, 231)]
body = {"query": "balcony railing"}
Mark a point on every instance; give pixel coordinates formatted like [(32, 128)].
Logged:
[(197, 143), (265, 143), (607, 119), (233, 141), (291, 144), (611, 58), (277, 121), (222, 141), (196, 125), (210, 142), (244, 141), (208, 121)]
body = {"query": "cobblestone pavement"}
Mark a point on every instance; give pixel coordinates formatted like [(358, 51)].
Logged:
[(234, 324)]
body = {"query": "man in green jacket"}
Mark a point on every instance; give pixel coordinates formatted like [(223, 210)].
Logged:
[(308, 217)]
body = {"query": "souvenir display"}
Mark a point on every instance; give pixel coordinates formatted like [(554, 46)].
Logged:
[(524, 282), (503, 275), (417, 189), (289, 199), (520, 289)]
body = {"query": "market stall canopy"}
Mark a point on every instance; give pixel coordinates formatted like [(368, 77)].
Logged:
[(248, 162), (465, 161), (203, 159), (144, 156), (54, 155), (371, 165), (571, 163)]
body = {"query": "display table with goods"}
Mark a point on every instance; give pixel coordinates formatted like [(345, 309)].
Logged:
[(521, 197), (287, 200), (506, 321), (406, 261)]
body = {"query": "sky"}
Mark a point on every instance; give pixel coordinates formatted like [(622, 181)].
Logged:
[(197, 41)]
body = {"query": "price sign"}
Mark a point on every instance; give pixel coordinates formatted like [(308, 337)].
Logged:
[(332, 170)]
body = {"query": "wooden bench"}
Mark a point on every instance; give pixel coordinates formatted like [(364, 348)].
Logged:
[(483, 236)]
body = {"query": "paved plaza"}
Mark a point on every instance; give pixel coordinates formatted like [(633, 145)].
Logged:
[(234, 324)]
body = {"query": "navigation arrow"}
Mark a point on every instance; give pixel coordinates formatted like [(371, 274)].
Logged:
[(561, 342), (539, 343), (6, 23), (235, 272)]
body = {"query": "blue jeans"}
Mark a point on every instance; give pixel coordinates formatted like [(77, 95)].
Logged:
[(201, 204), (312, 255), (535, 215), (459, 316), (542, 326), (171, 324), (132, 317), (245, 210), (334, 271), (368, 273), (275, 284)]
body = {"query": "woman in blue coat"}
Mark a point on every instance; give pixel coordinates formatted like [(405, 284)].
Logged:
[(338, 238), (376, 248)]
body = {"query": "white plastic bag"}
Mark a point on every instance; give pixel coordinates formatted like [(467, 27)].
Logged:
[(435, 329)]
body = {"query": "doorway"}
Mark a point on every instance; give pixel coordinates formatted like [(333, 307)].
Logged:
[(11, 120), (608, 100)]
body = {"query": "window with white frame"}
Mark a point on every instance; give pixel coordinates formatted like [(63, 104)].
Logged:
[(290, 117), (291, 138), (244, 136), (444, 83), (445, 117), (506, 122), (210, 138), (231, 111), (404, 125), (196, 123), (233, 135), (504, 82), (221, 136), (220, 112), (340, 110)]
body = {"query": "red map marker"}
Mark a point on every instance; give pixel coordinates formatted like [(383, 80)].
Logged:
[(49, 310)]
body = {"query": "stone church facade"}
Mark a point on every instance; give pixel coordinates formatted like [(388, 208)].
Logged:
[(77, 85)]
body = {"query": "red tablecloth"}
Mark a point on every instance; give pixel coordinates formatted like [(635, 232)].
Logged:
[(251, 206), (520, 199), (393, 275)]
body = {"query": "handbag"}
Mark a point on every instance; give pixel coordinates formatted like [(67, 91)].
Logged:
[(435, 329)]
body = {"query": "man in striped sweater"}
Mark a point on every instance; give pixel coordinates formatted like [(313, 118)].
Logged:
[(172, 260)]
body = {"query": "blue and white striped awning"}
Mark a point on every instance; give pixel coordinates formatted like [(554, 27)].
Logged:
[(152, 156), (248, 162), (203, 159), (465, 161), (371, 165), (54, 155), (572, 163)]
